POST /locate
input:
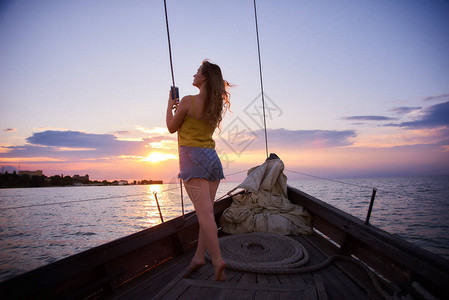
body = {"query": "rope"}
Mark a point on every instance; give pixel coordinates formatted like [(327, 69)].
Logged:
[(268, 253), (333, 180), (173, 82), (262, 253), (84, 200), (169, 44), (235, 173), (261, 80)]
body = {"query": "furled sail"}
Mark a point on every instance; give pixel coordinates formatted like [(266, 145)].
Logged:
[(264, 206)]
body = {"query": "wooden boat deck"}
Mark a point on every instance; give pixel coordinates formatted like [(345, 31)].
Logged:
[(340, 280)]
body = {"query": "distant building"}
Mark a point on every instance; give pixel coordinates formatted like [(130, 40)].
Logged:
[(84, 178), (143, 182), (32, 173), (123, 182)]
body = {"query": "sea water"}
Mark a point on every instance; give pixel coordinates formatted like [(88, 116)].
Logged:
[(41, 225)]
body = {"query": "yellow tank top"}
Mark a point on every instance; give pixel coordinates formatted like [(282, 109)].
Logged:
[(195, 132)]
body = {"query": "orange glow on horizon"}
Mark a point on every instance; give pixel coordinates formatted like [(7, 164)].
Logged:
[(163, 145), (155, 157), (394, 137), (29, 159)]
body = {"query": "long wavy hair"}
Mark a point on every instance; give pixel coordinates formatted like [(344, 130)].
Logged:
[(217, 91)]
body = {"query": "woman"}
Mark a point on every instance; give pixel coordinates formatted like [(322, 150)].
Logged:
[(196, 119)]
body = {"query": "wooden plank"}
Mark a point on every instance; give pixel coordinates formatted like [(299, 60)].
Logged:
[(272, 279), (153, 280), (249, 295), (235, 294), (320, 288), (248, 277), (174, 289), (338, 285), (331, 230), (286, 295), (310, 293), (262, 279), (273, 295), (206, 293), (247, 286), (359, 276), (355, 273), (232, 276), (203, 274), (260, 295)]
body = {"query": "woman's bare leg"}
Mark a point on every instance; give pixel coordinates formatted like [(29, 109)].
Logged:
[(213, 186), (200, 191), (219, 269), (198, 258)]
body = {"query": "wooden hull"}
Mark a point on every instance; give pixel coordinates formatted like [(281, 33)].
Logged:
[(112, 267), (400, 262)]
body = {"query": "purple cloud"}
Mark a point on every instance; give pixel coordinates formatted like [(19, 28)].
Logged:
[(72, 139), (443, 97), (369, 118), (286, 139), (403, 110), (75, 145), (311, 138), (434, 116)]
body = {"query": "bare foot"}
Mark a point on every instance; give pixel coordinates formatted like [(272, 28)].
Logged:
[(219, 271), (193, 267)]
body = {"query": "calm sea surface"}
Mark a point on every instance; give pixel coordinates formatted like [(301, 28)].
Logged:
[(41, 225)]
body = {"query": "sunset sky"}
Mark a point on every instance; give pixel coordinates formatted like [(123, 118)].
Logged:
[(352, 88)]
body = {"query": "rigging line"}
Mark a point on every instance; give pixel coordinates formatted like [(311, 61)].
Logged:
[(261, 80), (169, 44), (85, 200), (173, 81), (381, 192), (333, 180), (68, 202), (235, 173)]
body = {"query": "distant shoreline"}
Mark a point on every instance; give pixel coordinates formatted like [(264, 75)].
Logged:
[(29, 179), (58, 186)]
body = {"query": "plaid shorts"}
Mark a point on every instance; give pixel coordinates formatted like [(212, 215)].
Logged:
[(196, 162)]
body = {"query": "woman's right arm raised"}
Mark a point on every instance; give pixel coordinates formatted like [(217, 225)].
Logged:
[(174, 121)]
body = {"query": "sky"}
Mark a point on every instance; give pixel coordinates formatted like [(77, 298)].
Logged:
[(351, 88)]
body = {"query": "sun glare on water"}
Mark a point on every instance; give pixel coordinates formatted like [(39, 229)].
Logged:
[(155, 157)]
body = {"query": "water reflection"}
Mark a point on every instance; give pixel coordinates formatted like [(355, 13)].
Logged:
[(154, 188), (147, 211)]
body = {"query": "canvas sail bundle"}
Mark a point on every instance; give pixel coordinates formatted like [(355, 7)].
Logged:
[(264, 206)]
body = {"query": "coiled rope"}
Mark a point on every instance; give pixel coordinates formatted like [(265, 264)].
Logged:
[(262, 253), (269, 253)]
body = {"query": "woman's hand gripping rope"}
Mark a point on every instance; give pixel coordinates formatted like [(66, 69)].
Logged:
[(173, 98)]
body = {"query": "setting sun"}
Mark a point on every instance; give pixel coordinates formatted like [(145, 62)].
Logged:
[(155, 157)]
